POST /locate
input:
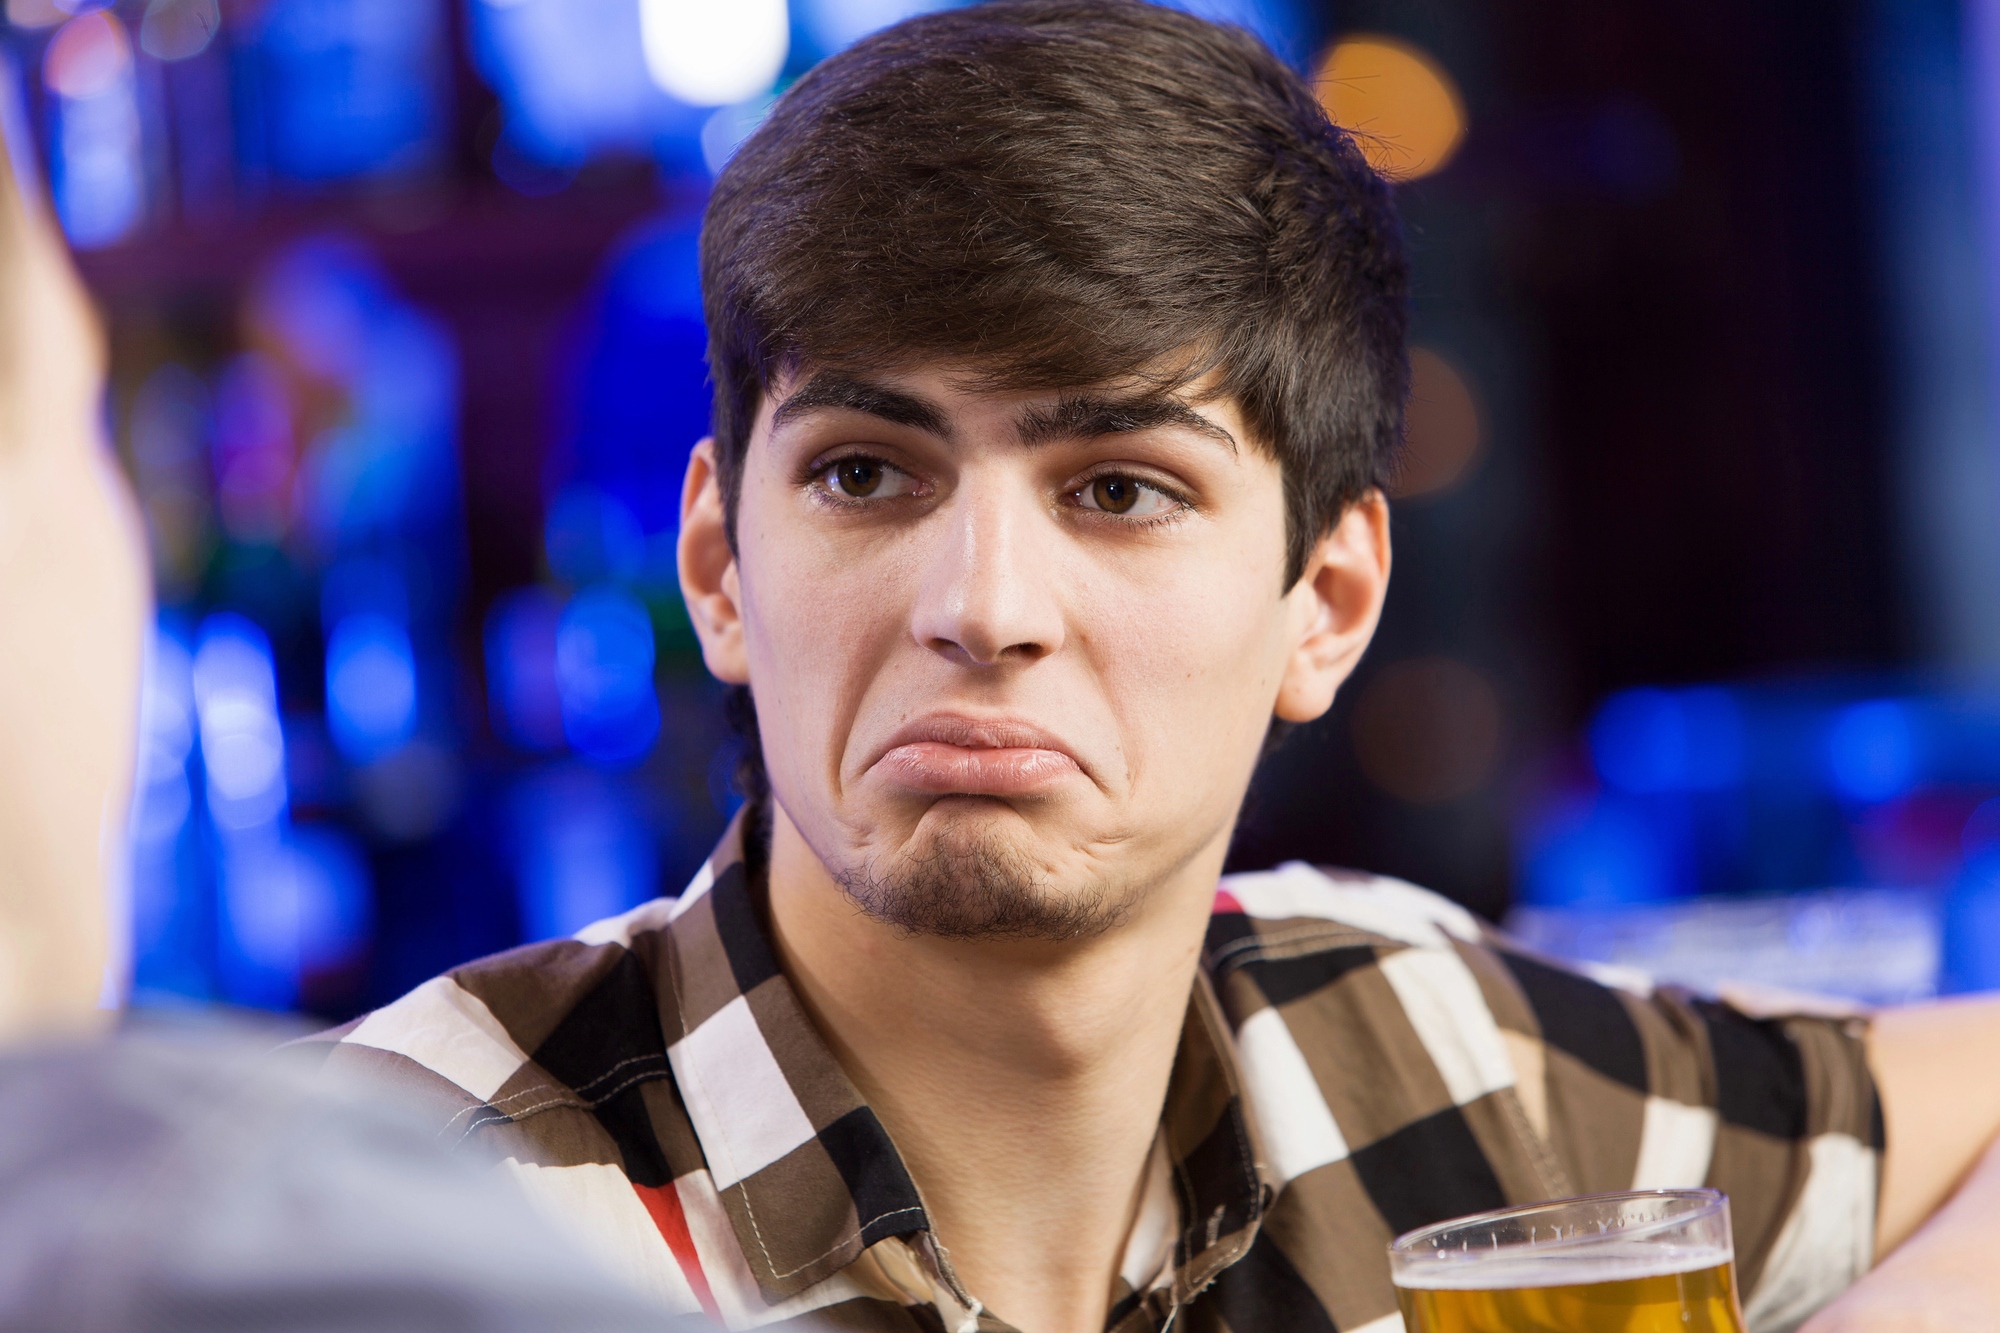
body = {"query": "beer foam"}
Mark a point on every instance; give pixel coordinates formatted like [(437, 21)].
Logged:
[(1511, 1267)]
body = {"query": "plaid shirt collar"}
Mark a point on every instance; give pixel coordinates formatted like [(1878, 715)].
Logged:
[(807, 1173)]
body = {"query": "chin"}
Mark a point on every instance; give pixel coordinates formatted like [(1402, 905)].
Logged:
[(977, 868)]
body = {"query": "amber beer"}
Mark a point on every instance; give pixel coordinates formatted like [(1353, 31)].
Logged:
[(1652, 1261), (1701, 1301)]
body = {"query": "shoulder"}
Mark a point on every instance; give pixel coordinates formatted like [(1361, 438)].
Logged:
[(1361, 951), (1379, 905)]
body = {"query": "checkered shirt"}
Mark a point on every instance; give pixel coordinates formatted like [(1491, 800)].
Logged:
[(1359, 1057)]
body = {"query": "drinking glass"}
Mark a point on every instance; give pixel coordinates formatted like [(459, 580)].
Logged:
[(1649, 1261)]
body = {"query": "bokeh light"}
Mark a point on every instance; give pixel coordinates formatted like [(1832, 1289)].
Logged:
[(521, 690), (1650, 740), (1401, 105), (584, 851), (371, 686), (1594, 852), (709, 54), (97, 175), (1442, 430), (35, 13), (242, 741), (179, 29), (1871, 750), (351, 88), (1428, 730), (87, 56), (604, 676), (833, 24)]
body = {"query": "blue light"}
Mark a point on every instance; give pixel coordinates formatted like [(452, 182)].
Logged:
[(1972, 927), (833, 24), (592, 537), (1596, 852), (724, 132), (583, 852), (1639, 741), (290, 906), (521, 690), (242, 743), (371, 687), (604, 675), (1282, 24), (641, 394), (336, 908), (1871, 750), (164, 921), (96, 171), (389, 467), (363, 584), (352, 87), (571, 76), (1649, 740)]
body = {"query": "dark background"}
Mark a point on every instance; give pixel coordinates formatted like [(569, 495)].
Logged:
[(1671, 258)]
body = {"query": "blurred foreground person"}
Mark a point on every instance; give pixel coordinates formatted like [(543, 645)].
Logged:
[(73, 611), (1059, 351), (182, 1180)]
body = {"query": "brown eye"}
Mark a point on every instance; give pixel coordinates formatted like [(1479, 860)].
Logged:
[(858, 477), (864, 478), (1126, 497), (1114, 495)]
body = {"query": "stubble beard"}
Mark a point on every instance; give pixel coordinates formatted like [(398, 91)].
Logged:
[(969, 883)]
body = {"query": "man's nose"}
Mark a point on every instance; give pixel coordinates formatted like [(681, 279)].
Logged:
[(988, 595)]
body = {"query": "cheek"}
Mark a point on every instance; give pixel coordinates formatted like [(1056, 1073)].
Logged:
[(818, 624), (1191, 653)]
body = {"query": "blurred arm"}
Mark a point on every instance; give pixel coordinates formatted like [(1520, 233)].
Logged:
[(1937, 1069), (72, 614)]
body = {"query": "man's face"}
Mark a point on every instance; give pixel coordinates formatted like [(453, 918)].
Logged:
[(1014, 654)]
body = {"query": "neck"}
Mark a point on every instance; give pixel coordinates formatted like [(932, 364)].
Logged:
[(1022, 1080)]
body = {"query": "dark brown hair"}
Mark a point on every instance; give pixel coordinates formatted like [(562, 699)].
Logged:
[(1062, 193)]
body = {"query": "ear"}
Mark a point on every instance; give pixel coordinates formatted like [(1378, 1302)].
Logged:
[(1335, 607), (708, 571)]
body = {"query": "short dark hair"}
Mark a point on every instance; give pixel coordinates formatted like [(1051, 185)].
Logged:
[(1063, 193), (1060, 193)]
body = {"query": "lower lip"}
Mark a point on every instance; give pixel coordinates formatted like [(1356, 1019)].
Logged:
[(957, 770)]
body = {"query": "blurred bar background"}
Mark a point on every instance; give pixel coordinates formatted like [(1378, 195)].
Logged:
[(1692, 657)]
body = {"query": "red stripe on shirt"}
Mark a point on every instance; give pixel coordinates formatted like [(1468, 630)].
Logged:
[(665, 1206)]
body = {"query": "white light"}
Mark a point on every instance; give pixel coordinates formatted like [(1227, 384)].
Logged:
[(242, 741), (714, 52)]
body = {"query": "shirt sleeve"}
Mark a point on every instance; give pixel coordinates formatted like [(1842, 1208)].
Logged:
[(1636, 1086)]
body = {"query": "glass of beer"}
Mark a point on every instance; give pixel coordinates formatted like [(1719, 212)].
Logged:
[(1652, 1261)]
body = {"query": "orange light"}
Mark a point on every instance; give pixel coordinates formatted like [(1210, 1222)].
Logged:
[(1402, 108), (1441, 430), (1428, 730), (87, 56)]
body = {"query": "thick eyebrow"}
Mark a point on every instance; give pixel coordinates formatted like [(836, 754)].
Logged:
[(1087, 416), (831, 389)]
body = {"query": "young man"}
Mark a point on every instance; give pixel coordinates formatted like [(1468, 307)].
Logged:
[(1058, 347)]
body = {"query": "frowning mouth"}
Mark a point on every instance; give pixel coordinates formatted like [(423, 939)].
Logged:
[(949, 754)]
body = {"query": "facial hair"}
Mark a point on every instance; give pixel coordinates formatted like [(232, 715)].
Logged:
[(970, 884)]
